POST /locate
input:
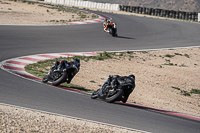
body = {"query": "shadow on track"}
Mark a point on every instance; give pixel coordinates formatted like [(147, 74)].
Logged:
[(124, 37)]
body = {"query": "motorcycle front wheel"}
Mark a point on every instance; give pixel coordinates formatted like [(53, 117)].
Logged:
[(61, 79), (45, 79), (95, 94), (115, 96)]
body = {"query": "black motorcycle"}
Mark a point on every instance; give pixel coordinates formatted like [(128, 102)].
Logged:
[(113, 29), (110, 94), (65, 74)]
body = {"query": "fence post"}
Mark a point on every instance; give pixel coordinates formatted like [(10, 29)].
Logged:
[(133, 9), (137, 9), (148, 11), (156, 12), (144, 10), (183, 15), (193, 16), (198, 17), (140, 10), (159, 12), (125, 8)]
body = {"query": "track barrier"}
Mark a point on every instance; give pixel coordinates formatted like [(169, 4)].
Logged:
[(86, 4), (190, 16)]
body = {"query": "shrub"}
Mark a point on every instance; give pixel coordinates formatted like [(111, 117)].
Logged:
[(195, 91)]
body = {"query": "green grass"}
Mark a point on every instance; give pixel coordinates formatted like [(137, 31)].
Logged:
[(92, 81), (195, 91), (176, 88), (186, 55), (183, 92), (186, 93), (178, 54), (168, 55), (41, 68)]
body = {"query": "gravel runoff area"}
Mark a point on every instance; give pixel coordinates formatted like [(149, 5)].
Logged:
[(18, 120), (166, 84)]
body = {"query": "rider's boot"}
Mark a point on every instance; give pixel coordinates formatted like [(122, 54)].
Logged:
[(124, 99)]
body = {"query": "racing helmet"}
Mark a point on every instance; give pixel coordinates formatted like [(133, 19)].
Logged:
[(108, 21), (132, 76), (76, 62)]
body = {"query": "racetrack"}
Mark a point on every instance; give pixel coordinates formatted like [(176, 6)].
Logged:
[(135, 33)]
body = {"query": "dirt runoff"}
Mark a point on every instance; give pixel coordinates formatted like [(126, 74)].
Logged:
[(164, 78), (29, 13)]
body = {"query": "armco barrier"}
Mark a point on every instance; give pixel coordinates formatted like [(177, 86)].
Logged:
[(192, 16), (86, 4)]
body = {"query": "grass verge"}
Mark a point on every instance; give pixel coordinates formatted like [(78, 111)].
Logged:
[(41, 68)]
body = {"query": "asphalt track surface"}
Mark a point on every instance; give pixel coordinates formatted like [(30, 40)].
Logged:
[(135, 33)]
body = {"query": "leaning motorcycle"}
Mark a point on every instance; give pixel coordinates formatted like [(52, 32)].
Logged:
[(110, 94), (112, 28), (66, 74)]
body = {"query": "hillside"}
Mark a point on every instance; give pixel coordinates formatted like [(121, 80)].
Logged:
[(181, 5)]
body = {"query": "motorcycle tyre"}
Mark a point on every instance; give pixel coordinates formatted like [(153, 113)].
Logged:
[(61, 80), (45, 79), (115, 97), (95, 94), (114, 33)]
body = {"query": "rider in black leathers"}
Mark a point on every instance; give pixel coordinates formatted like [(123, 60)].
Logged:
[(115, 80), (60, 65)]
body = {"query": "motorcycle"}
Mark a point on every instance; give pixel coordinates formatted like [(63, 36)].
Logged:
[(110, 94), (113, 29), (65, 74)]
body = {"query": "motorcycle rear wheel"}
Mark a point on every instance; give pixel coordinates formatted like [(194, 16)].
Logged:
[(115, 97), (60, 80), (114, 33)]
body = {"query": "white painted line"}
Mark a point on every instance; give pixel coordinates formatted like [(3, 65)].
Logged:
[(14, 65), (21, 60)]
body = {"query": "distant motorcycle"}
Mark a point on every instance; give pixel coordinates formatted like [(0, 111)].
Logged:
[(65, 74), (111, 94), (111, 27)]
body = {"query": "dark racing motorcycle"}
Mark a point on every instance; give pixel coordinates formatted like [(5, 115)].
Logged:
[(62, 72), (111, 93), (113, 29)]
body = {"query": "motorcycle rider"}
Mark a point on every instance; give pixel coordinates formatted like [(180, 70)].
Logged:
[(60, 65), (115, 80), (106, 24)]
